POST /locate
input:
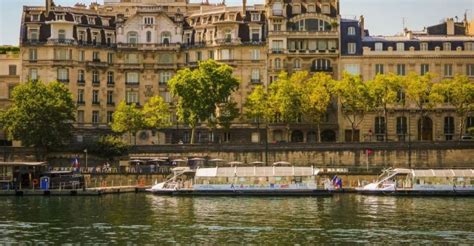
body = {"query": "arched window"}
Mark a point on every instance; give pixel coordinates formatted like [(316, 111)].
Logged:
[(165, 37), (132, 38), (321, 65), (351, 30), (277, 63), (297, 63), (148, 37), (62, 34)]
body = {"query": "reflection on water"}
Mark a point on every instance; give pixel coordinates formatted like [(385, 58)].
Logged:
[(140, 218)]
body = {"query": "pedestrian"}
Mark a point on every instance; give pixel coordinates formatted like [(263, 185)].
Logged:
[(339, 183)]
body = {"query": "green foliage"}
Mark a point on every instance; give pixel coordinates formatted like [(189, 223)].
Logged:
[(110, 146), (257, 105), (156, 113), (41, 115), (228, 111), (354, 97), (127, 119), (200, 91), (285, 97), (13, 49), (418, 89)]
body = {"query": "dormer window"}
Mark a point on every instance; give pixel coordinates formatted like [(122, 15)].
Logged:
[(148, 20), (424, 46), (132, 38), (77, 19), (33, 34), (231, 17), (61, 35), (326, 9), (255, 17), (35, 17), (378, 46), (351, 31), (82, 35), (216, 18), (228, 35), (277, 8), (60, 17), (469, 46), (447, 46), (311, 8), (400, 46), (296, 9), (91, 20), (105, 22)]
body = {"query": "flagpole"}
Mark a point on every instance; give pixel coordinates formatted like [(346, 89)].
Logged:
[(367, 158)]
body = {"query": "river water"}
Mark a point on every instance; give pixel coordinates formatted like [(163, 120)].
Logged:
[(142, 218)]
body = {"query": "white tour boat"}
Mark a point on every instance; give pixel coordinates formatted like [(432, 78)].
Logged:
[(402, 181), (272, 180)]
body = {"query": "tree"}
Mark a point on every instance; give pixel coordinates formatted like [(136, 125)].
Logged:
[(354, 98), (127, 119), (109, 146), (418, 89), (156, 113), (41, 115), (383, 90), (285, 97), (257, 106), (458, 92), (228, 112), (200, 91), (316, 98)]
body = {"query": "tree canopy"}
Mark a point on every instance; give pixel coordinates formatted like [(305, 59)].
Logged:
[(127, 119), (41, 115), (200, 91)]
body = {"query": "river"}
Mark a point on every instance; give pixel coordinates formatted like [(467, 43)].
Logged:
[(142, 218)]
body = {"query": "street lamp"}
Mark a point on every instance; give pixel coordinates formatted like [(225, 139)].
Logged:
[(85, 151)]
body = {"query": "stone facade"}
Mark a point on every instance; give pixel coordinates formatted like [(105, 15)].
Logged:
[(128, 50), (10, 69)]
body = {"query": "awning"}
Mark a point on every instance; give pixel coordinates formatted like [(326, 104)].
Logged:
[(23, 164), (444, 173), (256, 171)]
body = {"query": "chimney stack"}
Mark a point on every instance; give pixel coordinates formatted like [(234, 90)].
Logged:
[(362, 26), (49, 4), (450, 26), (244, 8)]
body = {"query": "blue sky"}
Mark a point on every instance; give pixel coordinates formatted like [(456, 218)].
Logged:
[(383, 17)]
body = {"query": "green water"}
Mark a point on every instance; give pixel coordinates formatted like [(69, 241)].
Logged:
[(142, 218)]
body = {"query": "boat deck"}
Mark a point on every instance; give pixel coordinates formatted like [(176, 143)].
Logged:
[(249, 192), (74, 192)]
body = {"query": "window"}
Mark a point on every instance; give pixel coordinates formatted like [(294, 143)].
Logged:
[(95, 97), (132, 97), (95, 77), (297, 64), (110, 58), (34, 34), (110, 116), (401, 96), (351, 31), (166, 58), (469, 122), (448, 70), (33, 55), (449, 127), (255, 34), (148, 20), (82, 36), (400, 46), (326, 9), (277, 63), (132, 38), (424, 46), (353, 69), (277, 46), (81, 76), (401, 69), (378, 46), (198, 55), (35, 17), (228, 35), (296, 9), (78, 19), (165, 38), (96, 56), (225, 54), (59, 17), (402, 128), (255, 75), (132, 78), (110, 78), (80, 96), (166, 96), (379, 69), (351, 48), (91, 20), (63, 75), (61, 35), (470, 70), (165, 77), (255, 16), (469, 46), (311, 8), (80, 116), (277, 8), (110, 98), (148, 37), (11, 69), (61, 54), (131, 58), (321, 65), (82, 55), (95, 117), (255, 54), (33, 74), (277, 27), (425, 68), (379, 127), (446, 46), (211, 54)]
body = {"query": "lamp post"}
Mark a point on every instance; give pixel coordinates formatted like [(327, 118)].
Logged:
[(85, 151)]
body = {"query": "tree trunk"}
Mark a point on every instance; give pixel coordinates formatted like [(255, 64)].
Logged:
[(130, 137), (353, 132), (421, 124), (192, 134), (461, 126), (288, 135), (318, 136), (385, 114)]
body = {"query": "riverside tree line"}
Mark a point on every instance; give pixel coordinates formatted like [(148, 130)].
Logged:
[(42, 115)]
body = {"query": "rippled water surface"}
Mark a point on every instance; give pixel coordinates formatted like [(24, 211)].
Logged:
[(140, 218)]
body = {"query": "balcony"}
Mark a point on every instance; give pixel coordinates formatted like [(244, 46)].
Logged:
[(321, 69), (96, 44), (254, 42), (312, 52), (110, 104), (149, 46), (63, 80), (277, 12), (96, 63), (63, 62), (305, 34), (165, 66), (96, 83), (255, 81), (131, 66), (81, 103), (277, 51), (33, 42), (110, 83), (228, 41), (96, 103), (132, 84), (60, 41), (81, 82)]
